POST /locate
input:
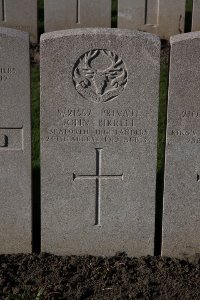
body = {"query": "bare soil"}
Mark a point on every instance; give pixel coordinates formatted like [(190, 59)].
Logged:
[(115, 278)]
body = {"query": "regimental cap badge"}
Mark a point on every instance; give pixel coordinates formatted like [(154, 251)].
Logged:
[(100, 75)]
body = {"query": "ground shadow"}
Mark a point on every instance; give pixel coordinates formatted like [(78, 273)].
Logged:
[(159, 213), (36, 209), (41, 17), (188, 16)]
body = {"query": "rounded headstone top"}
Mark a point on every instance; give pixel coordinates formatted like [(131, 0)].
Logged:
[(184, 37), (98, 31), (14, 33)]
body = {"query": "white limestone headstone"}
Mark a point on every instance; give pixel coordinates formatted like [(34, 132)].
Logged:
[(196, 15), (181, 222), (161, 17), (15, 143), (65, 14), (20, 15), (99, 106)]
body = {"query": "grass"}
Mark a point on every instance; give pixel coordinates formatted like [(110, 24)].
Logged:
[(162, 116), (35, 95), (189, 4)]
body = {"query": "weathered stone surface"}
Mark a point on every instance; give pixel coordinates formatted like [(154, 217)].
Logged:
[(181, 223), (15, 142), (164, 18), (64, 14), (20, 15), (196, 15), (99, 104)]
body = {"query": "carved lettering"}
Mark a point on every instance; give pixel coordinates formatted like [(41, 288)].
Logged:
[(76, 125), (11, 139), (96, 139), (194, 140), (3, 140), (64, 131), (189, 136), (190, 114), (6, 73), (116, 123), (24, 28), (122, 113), (76, 122), (75, 112), (182, 132)]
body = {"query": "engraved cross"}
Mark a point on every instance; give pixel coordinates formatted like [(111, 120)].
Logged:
[(98, 177)]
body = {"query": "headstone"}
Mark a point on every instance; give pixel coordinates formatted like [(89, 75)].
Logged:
[(65, 14), (196, 15), (15, 143), (181, 222), (99, 104), (20, 15), (161, 17)]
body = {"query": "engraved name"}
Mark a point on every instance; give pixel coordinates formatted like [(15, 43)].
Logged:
[(116, 123)]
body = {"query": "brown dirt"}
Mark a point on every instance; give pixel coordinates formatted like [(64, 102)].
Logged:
[(118, 277), (35, 54)]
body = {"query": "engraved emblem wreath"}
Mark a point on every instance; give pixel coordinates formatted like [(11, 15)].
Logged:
[(100, 75)]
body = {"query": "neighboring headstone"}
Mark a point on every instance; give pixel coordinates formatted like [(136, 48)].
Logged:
[(15, 143), (20, 15), (196, 15), (181, 222), (65, 14), (99, 106), (164, 17)]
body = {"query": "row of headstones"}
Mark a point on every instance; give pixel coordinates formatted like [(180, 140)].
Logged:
[(99, 108), (164, 18)]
